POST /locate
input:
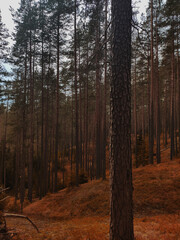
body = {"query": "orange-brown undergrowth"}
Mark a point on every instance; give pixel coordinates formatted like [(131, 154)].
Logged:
[(83, 212)]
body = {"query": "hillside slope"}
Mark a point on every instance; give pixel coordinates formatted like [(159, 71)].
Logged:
[(156, 191), (83, 213)]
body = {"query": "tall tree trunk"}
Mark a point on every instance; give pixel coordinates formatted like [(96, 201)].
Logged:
[(172, 101), (121, 225), (31, 150), (80, 115), (178, 82), (105, 98), (17, 168), (135, 115), (166, 114), (4, 146), (151, 133), (57, 106), (42, 120), (46, 145), (72, 132), (148, 91), (143, 117), (76, 97), (98, 122), (23, 149), (86, 106), (158, 127)]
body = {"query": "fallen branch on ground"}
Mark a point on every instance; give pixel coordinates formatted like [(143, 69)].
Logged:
[(4, 189), (4, 198), (164, 149), (11, 215)]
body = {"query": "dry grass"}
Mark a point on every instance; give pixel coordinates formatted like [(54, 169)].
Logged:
[(156, 191), (161, 227), (83, 212), (91, 199)]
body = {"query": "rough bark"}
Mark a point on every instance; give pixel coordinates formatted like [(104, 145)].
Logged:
[(121, 224)]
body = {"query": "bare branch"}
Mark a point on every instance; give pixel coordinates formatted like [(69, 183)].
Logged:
[(137, 26), (10, 215), (4, 198), (4, 189)]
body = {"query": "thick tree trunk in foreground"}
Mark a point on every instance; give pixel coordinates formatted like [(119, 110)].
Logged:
[(121, 226)]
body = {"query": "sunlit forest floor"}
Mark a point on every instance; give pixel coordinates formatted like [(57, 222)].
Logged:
[(83, 212)]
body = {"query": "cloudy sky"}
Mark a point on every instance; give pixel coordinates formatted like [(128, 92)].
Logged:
[(6, 15)]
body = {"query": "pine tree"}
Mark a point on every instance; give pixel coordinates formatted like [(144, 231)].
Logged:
[(121, 226), (4, 48)]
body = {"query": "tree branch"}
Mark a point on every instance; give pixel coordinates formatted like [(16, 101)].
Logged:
[(4, 189), (11, 215), (4, 198)]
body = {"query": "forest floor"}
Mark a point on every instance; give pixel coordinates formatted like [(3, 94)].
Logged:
[(83, 213)]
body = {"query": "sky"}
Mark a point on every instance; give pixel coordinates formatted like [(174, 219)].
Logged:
[(6, 15), (7, 19)]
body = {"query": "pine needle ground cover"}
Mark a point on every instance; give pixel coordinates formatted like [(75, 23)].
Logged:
[(83, 212)]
